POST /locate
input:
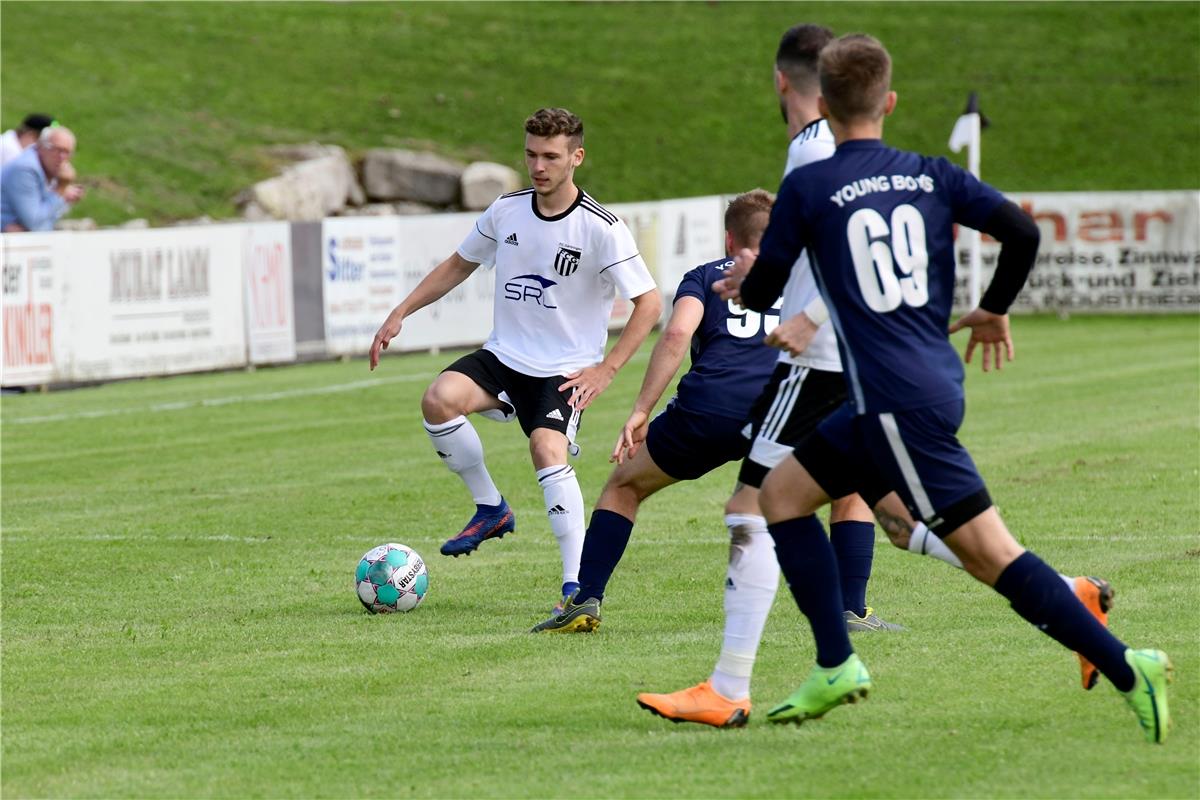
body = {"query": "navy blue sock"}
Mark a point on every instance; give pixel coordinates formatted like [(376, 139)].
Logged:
[(1038, 594), (854, 545), (810, 568), (603, 545)]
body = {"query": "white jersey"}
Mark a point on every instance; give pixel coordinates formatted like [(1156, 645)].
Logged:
[(555, 280), (813, 143), (10, 146)]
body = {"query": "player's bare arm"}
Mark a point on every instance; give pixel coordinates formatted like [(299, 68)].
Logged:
[(434, 286), (668, 354), (591, 381)]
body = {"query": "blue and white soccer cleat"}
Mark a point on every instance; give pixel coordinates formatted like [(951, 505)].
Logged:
[(489, 522)]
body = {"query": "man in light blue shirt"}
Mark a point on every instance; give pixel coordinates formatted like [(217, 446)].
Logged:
[(28, 197)]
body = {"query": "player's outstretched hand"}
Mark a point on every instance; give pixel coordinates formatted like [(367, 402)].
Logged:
[(588, 383), (989, 330), (389, 330), (794, 334), (730, 287), (633, 435)]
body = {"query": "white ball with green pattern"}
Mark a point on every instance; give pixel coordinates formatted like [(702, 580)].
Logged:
[(391, 577)]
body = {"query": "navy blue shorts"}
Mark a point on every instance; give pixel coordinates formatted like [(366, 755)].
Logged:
[(688, 444), (915, 453)]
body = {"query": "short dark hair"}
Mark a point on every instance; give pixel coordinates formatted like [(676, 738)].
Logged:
[(556, 122), (37, 122), (747, 214), (797, 54), (856, 75)]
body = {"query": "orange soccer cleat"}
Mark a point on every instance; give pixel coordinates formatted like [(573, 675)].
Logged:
[(699, 703), (1097, 595)]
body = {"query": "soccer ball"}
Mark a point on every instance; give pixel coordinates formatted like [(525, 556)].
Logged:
[(390, 578)]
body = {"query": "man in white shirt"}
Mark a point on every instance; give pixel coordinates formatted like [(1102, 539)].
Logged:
[(559, 258), (14, 141)]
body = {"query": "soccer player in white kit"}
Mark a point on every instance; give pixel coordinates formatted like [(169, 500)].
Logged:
[(560, 257)]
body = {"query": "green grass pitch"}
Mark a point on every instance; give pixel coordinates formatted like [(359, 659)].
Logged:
[(175, 102), (179, 618)]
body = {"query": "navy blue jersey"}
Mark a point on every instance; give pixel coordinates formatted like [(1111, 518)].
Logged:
[(879, 227), (730, 363)]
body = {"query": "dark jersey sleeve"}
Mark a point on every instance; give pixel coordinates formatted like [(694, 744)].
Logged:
[(1019, 236), (781, 245), (692, 285), (972, 200)]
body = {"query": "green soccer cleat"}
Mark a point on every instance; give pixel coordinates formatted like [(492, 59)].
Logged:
[(1152, 671), (825, 689), (582, 617)]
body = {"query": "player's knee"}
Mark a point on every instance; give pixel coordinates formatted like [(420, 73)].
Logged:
[(620, 498), (437, 405), (625, 485), (778, 503), (850, 508), (788, 493)]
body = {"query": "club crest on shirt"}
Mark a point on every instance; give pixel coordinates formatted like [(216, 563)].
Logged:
[(567, 259)]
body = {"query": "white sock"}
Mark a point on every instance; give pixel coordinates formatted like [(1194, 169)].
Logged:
[(564, 507), (457, 444), (926, 543), (750, 584)]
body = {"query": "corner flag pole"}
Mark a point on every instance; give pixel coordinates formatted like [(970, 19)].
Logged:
[(966, 133)]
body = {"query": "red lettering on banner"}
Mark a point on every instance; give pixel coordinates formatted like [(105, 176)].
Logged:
[(268, 302), (1101, 226), (28, 335), (1141, 220)]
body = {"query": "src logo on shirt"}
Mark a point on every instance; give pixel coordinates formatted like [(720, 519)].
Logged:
[(567, 260), (529, 288)]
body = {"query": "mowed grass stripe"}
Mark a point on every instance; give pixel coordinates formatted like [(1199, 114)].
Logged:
[(179, 617)]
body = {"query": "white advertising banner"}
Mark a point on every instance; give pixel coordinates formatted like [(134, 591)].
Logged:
[(462, 317), (1123, 252), (644, 221), (360, 276), (270, 309), (673, 236), (692, 233), (153, 302), (32, 307)]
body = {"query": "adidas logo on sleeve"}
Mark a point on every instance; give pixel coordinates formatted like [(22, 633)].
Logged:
[(512, 239)]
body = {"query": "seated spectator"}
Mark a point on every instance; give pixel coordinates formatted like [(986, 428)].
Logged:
[(14, 141), (28, 200)]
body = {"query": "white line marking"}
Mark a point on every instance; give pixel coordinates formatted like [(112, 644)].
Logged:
[(907, 469), (181, 405)]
